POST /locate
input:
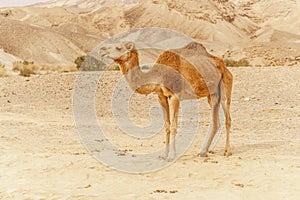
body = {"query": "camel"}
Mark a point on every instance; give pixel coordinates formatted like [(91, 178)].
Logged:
[(174, 78)]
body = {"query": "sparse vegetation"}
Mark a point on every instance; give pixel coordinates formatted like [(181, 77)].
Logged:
[(3, 72), (25, 68), (46, 69), (114, 67), (90, 63), (27, 71), (237, 63), (67, 69), (79, 60)]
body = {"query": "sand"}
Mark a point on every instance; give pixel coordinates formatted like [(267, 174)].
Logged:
[(42, 157)]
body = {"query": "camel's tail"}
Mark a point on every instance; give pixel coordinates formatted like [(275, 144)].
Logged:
[(227, 80), (225, 84)]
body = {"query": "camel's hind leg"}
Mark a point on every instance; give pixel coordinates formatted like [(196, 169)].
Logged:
[(215, 105), (225, 95), (226, 85), (225, 89), (227, 151), (209, 103)]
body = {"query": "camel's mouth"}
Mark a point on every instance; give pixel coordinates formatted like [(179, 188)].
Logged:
[(107, 59), (105, 53)]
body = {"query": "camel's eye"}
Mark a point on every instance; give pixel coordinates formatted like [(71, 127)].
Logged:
[(119, 48)]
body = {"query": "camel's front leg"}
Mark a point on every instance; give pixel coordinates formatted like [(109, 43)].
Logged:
[(163, 100), (174, 109)]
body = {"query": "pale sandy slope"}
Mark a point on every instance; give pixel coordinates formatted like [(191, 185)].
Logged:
[(264, 32), (41, 156), (7, 59)]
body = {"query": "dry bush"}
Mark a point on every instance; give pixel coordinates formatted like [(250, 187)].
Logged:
[(237, 63), (60, 69), (113, 67), (26, 68), (3, 72), (79, 60), (67, 69)]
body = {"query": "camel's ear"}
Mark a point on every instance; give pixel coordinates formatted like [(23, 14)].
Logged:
[(129, 46)]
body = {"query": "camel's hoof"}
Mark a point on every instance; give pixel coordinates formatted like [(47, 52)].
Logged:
[(165, 158), (227, 153), (171, 156), (203, 154)]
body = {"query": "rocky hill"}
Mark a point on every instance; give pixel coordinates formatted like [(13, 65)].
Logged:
[(266, 32), (86, 5)]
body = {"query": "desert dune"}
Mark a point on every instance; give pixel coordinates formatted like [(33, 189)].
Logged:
[(42, 156)]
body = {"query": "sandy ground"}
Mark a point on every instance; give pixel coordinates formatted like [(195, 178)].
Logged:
[(42, 157)]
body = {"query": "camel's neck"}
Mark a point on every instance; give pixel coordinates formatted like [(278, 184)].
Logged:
[(131, 70), (127, 65)]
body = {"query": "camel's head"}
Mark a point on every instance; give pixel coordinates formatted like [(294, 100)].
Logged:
[(119, 53)]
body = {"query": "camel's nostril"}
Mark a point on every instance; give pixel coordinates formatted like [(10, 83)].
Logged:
[(118, 48)]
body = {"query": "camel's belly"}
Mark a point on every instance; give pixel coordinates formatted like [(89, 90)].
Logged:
[(186, 92), (196, 93)]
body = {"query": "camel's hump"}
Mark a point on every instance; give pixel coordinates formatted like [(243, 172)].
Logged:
[(192, 48), (195, 45)]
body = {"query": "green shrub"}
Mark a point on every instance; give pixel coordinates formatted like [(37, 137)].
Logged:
[(79, 60)]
